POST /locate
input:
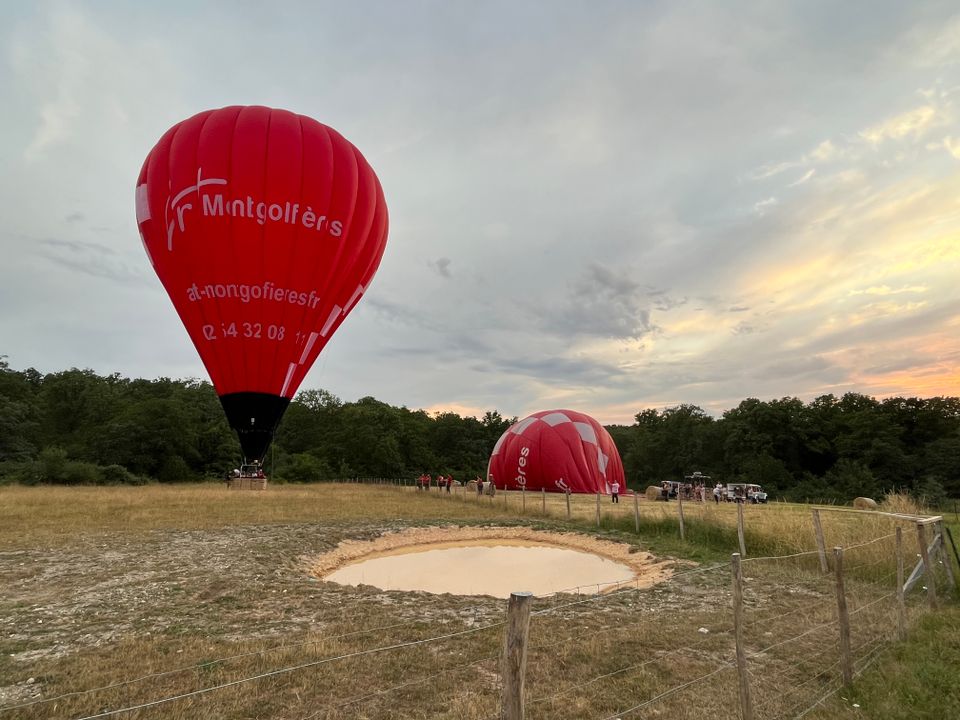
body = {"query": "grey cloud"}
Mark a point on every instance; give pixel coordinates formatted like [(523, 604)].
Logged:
[(882, 329), (559, 369), (395, 313), (618, 134), (603, 303), (665, 304), (89, 258), (447, 347), (903, 363), (441, 266), (793, 368)]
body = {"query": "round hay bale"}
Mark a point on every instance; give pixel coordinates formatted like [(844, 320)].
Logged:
[(654, 492), (865, 503)]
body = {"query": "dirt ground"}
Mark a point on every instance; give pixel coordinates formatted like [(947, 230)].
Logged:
[(236, 584), (104, 607)]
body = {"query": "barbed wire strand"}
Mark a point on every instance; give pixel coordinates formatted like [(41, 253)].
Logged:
[(872, 603), (635, 581), (807, 659), (636, 666), (801, 608), (206, 663), (876, 653), (625, 591), (818, 702), (755, 653), (281, 671), (386, 691), (677, 688), (779, 557), (861, 566), (786, 693), (868, 542), (603, 629)]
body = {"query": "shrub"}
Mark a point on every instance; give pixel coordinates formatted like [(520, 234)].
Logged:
[(119, 475), (52, 466), (175, 469), (80, 473), (303, 467)]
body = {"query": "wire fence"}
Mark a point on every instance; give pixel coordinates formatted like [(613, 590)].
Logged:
[(764, 637)]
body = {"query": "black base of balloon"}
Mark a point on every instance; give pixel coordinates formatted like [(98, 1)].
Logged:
[(255, 417)]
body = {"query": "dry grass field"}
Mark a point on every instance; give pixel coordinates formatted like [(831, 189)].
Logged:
[(196, 601)]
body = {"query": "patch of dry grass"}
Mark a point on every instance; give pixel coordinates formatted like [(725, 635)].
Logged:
[(200, 586), (31, 516)]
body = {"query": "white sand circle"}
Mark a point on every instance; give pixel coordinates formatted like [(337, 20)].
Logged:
[(488, 561)]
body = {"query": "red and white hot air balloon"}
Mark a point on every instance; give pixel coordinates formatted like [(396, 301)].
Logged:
[(265, 227), (557, 450)]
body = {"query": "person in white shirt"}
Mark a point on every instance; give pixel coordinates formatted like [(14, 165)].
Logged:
[(615, 492)]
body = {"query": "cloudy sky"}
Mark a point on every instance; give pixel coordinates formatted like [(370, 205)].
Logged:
[(605, 206)]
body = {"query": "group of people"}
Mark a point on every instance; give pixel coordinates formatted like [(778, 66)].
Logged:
[(687, 491), (425, 481), (482, 486), (740, 494), (248, 471), (698, 492)]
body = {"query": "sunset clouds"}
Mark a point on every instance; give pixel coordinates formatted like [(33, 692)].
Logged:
[(603, 206)]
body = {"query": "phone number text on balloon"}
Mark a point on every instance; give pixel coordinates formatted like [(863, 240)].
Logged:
[(246, 330)]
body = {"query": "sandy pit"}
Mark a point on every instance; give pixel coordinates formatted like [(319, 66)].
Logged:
[(488, 561)]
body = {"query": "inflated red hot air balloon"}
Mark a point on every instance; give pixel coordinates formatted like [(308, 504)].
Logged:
[(265, 227), (557, 450)]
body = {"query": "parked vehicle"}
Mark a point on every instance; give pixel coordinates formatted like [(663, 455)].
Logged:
[(745, 492)]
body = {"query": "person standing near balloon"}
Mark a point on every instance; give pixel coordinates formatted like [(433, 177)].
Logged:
[(615, 492)]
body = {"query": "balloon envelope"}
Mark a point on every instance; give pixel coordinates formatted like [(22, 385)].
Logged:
[(265, 228), (556, 450)]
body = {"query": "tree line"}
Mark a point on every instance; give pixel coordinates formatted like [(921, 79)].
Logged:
[(77, 427)]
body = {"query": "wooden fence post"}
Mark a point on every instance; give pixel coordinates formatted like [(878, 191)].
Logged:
[(523, 499), (821, 543), (514, 663), (683, 530), (928, 570), (746, 705), (743, 546), (846, 660), (598, 508), (543, 501), (568, 503), (636, 511), (901, 603), (947, 563)]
